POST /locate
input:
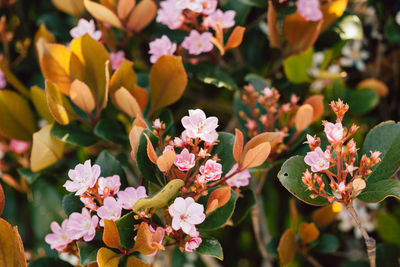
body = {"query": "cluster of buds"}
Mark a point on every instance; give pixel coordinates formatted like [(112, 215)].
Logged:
[(349, 180), (268, 115)]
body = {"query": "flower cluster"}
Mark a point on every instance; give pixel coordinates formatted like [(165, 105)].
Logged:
[(339, 155), (185, 15)]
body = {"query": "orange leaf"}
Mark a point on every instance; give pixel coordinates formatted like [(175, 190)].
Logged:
[(151, 153), (44, 33), (238, 145), (135, 262), (218, 198), (72, 7), (107, 258), (256, 156), (2, 199), (378, 86), (102, 13), (293, 214), (308, 232), (11, 248), (287, 247), (111, 234), (218, 45), (142, 15), (124, 8), (59, 107), (326, 215), (317, 102), (332, 11), (235, 39), (138, 127), (219, 34), (127, 103), (304, 117), (81, 95), (166, 160), (168, 81), (145, 242), (274, 38)]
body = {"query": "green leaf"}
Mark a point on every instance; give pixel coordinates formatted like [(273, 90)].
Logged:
[(178, 258), (290, 177), (392, 31), (147, 168), (388, 227), (88, 251), (378, 191), (255, 3), (327, 243), (111, 130), (71, 203), (28, 174), (216, 76), (350, 28), (362, 101), (210, 247), (73, 134), (126, 230), (243, 206), (111, 166), (387, 255), (224, 151), (296, 66), (221, 215), (49, 262)]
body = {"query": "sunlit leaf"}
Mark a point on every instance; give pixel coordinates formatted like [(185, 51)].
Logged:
[(304, 117), (296, 66), (317, 103), (166, 161), (235, 39), (142, 15), (72, 7), (144, 240), (11, 248), (111, 235), (127, 103), (210, 247), (81, 95), (107, 258), (125, 7), (58, 104), (102, 13), (133, 261), (332, 11), (38, 97)]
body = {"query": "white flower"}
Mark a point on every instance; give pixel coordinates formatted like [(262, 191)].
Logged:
[(353, 55)]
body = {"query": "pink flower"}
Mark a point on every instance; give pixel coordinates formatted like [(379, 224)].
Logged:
[(178, 142), (161, 46), (186, 213), (209, 6), (109, 186), (116, 58), (157, 124), (211, 171), (226, 19), (168, 148), (309, 9), (59, 239), (239, 179), (317, 159), (170, 15), (198, 126), (334, 132), (128, 198), (3, 81), (194, 5), (82, 225), (110, 210), (18, 146), (84, 27), (89, 203), (268, 92), (193, 243), (197, 43), (83, 177), (185, 160)]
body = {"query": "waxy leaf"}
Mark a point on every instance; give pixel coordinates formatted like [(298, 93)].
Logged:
[(102, 13), (142, 15), (73, 134), (287, 247), (224, 151), (111, 235), (210, 247), (58, 104), (168, 81), (290, 177), (378, 191), (162, 198), (238, 145), (126, 231), (304, 117), (111, 130), (16, 117), (166, 161), (81, 96), (256, 156), (46, 150), (88, 251), (125, 7), (218, 198), (235, 39), (127, 103), (11, 248), (138, 127), (133, 261), (107, 258), (38, 97), (72, 203), (72, 7)]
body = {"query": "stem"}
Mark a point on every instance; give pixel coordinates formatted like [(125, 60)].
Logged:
[(369, 241)]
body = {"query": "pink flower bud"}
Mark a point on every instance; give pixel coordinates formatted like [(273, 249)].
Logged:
[(334, 132)]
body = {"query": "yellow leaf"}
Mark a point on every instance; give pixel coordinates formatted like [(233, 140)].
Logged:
[(142, 15), (325, 215), (13, 80), (138, 127), (16, 116), (308, 232), (127, 103), (58, 104), (304, 117), (166, 160), (256, 156), (135, 262), (102, 13), (94, 56), (332, 11), (218, 198), (124, 76), (124, 8), (46, 149), (11, 248), (287, 247), (45, 34), (378, 86), (107, 258), (235, 39), (72, 7), (111, 235), (317, 103), (59, 65), (2, 199), (168, 81), (145, 241), (161, 199), (81, 95), (38, 97)]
